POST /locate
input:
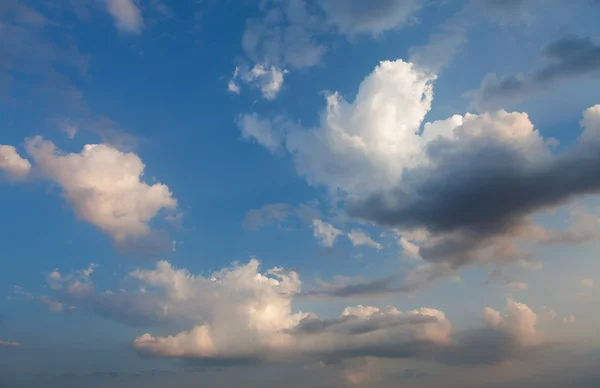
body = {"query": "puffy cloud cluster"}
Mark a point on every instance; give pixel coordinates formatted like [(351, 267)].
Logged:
[(104, 187), (267, 78), (471, 182), (240, 314), (264, 328), (12, 163), (518, 322)]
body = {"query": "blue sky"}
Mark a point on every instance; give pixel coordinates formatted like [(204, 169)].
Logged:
[(310, 192)]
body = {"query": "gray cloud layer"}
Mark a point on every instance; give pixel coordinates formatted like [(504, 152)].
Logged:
[(569, 57)]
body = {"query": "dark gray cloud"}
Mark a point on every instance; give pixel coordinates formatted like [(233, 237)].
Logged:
[(480, 193), (569, 57)]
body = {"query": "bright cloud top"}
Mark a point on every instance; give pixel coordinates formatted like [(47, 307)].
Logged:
[(104, 186)]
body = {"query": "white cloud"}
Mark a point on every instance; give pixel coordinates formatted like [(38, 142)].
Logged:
[(587, 282), (104, 186), (366, 145), (360, 237), (127, 15), (355, 17), (10, 344), (377, 156), (12, 163), (241, 314), (518, 322), (267, 78), (325, 233)]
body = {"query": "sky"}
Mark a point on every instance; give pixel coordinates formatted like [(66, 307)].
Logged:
[(299, 193)]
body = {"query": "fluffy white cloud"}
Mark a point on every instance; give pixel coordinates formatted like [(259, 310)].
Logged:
[(104, 186), (518, 322), (12, 163), (267, 78), (241, 314), (127, 15), (325, 233), (367, 144), (360, 237), (244, 310), (248, 315), (448, 177)]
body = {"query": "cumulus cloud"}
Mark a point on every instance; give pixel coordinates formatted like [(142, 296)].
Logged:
[(360, 237), (325, 233), (368, 143), (126, 14), (360, 331), (267, 78), (14, 166), (355, 17), (569, 57), (517, 322), (472, 182), (476, 210), (104, 187), (240, 315), (10, 344)]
